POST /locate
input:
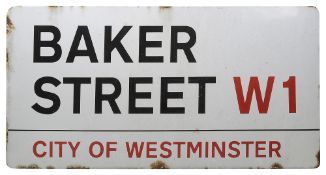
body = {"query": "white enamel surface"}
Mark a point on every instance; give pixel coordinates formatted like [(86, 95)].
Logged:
[(255, 41)]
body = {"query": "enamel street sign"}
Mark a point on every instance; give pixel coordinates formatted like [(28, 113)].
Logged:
[(163, 87)]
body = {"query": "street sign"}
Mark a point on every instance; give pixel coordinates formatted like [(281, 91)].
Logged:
[(163, 87)]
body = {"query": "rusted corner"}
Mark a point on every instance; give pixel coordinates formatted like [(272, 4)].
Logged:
[(159, 165), (10, 25), (50, 167), (31, 166), (77, 167), (163, 8), (318, 159), (276, 166), (313, 8)]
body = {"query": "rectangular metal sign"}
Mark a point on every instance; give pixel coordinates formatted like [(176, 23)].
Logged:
[(163, 87)]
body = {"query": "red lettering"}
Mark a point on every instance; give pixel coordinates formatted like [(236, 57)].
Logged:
[(232, 148), (244, 104), (165, 149), (276, 149), (221, 151), (290, 84), (51, 149), (73, 148), (91, 149), (179, 144), (109, 148), (194, 149), (135, 149), (150, 149), (247, 143), (60, 147), (35, 149), (206, 149), (258, 148)]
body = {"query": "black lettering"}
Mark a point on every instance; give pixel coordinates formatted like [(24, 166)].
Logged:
[(201, 81), (37, 58), (77, 88), (82, 31), (99, 96), (47, 95), (184, 46), (110, 45), (143, 44), (165, 95), (133, 95)]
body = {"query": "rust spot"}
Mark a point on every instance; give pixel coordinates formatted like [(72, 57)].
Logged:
[(7, 59), (7, 132), (7, 56), (10, 25), (50, 167), (54, 8), (276, 166), (77, 167), (312, 7), (31, 166), (162, 8), (318, 159), (159, 165)]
